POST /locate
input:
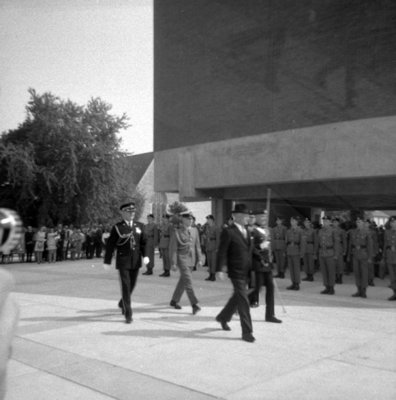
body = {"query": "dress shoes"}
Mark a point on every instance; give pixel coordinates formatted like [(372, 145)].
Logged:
[(211, 278), (331, 290), (273, 319), (195, 309), (294, 286), (326, 291), (128, 320), (357, 294), (223, 324), (148, 273), (254, 305), (175, 305), (248, 337), (165, 274)]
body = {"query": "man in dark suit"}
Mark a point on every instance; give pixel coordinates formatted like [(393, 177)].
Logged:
[(127, 238), (235, 256)]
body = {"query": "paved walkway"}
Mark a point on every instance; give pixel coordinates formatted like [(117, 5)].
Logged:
[(72, 342)]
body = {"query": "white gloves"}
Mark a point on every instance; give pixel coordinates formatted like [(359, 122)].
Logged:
[(146, 260)]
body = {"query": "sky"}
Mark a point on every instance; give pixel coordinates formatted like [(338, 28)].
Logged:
[(78, 49)]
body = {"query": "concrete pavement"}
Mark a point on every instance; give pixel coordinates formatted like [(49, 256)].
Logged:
[(72, 342)]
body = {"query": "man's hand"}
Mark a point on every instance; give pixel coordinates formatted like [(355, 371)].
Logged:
[(146, 260), (221, 275)]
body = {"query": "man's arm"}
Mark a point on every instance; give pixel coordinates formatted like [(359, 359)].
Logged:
[(223, 250)]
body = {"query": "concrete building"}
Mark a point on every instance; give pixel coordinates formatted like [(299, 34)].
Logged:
[(295, 96)]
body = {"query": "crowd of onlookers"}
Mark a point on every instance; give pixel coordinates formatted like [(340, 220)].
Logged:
[(65, 242)]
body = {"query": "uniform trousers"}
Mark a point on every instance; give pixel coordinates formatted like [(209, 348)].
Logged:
[(264, 278), (309, 264), (165, 258), (184, 284), (392, 275), (294, 264), (238, 301), (280, 260), (328, 269), (360, 270), (128, 278), (211, 260), (339, 263)]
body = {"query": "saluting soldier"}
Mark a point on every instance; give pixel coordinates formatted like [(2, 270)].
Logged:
[(295, 249), (163, 246), (327, 249), (309, 255), (212, 239), (278, 235), (390, 254), (341, 237), (361, 249), (127, 239), (151, 236)]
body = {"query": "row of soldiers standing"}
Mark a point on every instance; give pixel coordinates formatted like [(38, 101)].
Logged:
[(332, 246)]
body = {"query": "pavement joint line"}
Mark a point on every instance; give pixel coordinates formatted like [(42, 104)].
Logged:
[(82, 358)]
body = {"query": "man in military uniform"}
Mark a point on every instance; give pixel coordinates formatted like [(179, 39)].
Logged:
[(126, 237), (390, 254), (361, 249), (212, 237), (341, 237), (374, 237), (185, 253), (163, 246), (309, 254), (326, 247), (262, 264), (151, 236), (295, 249), (278, 235)]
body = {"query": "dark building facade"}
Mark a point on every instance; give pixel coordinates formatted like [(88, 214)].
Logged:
[(296, 96)]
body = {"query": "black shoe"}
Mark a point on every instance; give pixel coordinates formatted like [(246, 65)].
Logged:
[(223, 324), (254, 304), (195, 308), (211, 277), (128, 320), (331, 290), (248, 337), (291, 287), (273, 319), (165, 274), (307, 279), (194, 268), (371, 283), (175, 305), (325, 291), (148, 273), (296, 286), (357, 294), (363, 294)]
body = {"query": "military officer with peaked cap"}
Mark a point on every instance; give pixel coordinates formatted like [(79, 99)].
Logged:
[(390, 254), (126, 237)]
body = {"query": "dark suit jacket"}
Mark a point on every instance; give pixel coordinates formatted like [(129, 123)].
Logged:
[(130, 249), (235, 252)]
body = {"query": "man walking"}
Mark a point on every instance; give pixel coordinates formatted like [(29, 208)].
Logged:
[(151, 237), (235, 255), (127, 238)]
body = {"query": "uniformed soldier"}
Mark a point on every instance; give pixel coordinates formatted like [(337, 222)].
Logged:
[(309, 256), (374, 237), (295, 250), (361, 249), (326, 247), (341, 237), (127, 239), (163, 246), (278, 235), (151, 236), (389, 253), (211, 239)]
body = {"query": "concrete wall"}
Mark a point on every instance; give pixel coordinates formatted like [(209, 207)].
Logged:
[(354, 149)]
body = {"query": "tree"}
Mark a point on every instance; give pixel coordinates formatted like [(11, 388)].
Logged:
[(63, 164)]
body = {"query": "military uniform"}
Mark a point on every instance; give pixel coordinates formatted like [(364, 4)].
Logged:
[(278, 235), (163, 246), (374, 238), (327, 249), (151, 236), (361, 249), (341, 237), (295, 250), (309, 254), (390, 258), (212, 238), (127, 239)]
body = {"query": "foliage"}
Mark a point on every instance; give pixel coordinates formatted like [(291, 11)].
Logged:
[(63, 164)]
